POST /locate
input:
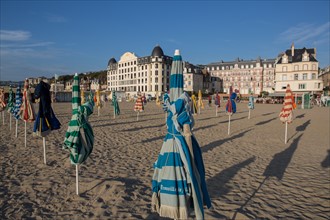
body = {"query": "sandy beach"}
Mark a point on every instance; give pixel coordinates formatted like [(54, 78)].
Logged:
[(250, 174)]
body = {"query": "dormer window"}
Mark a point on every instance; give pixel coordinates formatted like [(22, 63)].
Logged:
[(305, 56), (285, 58)]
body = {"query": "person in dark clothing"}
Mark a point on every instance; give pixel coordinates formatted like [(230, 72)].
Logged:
[(46, 119)]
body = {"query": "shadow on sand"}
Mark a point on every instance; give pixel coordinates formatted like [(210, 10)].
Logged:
[(275, 168), (265, 122), (217, 143), (326, 162)]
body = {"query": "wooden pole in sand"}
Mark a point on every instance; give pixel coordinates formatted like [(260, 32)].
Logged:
[(249, 114), (216, 110), (286, 132), (44, 144), (137, 116), (3, 117), (229, 126), (16, 127), (77, 180), (98, 111), (25, 133)]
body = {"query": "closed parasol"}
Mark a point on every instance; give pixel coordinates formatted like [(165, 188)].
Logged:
[(231, 106), (178, 182), (17, 107), (116, 109), (286, 114), (27, 113), (46, 119), (10, 105), (250, 104), (79, 137), (2, 104), (200, 101), (217, 103), (138, 107), (193, 106)]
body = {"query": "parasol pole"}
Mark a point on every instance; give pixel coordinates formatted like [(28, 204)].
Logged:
[(165, 117), (286, 132), (3, 117), (98, 111), (249, 113), (229, 125), (16, 127), (25, 133), (114, 112), (9, 122), (44, 144), (137, 116), (216, 110), (77, 180)]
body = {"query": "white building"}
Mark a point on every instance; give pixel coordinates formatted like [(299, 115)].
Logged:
[(299, 68), (58, 87), (192, 77), (147, 74)]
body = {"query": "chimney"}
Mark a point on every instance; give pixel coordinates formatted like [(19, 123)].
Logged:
[(292, 49)]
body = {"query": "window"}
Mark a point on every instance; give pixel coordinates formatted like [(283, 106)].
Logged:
[(284, 68), (305, 67), (296, 76), (302, 86), (313, 67), (313, 76), (284, 77), (304, 76), (296, 67)]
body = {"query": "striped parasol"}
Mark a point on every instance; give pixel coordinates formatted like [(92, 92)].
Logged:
[(79, 137), (178, 184), (2, 100), (115, 103), (11, 100), (286, 114), (176, 77), (18, 103), (138, 107), (98, 99), (27, 112), (217, 99)]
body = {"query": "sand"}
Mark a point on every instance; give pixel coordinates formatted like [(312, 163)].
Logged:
[(250, 173)]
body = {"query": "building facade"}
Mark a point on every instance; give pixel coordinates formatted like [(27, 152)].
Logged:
[(299, 68), (147, 74), (245, 76), (324, 75), (192, 77)]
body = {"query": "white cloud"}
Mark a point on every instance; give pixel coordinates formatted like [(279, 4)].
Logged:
[(40, 44), (303, 33), (17, 35)]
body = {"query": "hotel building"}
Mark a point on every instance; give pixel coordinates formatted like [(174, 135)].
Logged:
[(147, 74), (245, 75), (299, 68)]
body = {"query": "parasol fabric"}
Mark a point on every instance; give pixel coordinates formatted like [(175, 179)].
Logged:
[(82, 97), (217, 99), (115, 103), (251, 102), (193, 106), (18, 103), (286, 114), (178, 183), (79, 137), (11, 100), (97, 99), (138, 107), (2, 100), (46, 119), (200, 99), (176, 77), (231, 105), (27, 112)]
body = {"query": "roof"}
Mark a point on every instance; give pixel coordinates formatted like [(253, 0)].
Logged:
[(112, 61), (298, 55), (157, 52)]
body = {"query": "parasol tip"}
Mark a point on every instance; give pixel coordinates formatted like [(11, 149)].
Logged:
[(76, 74), (177, 52)]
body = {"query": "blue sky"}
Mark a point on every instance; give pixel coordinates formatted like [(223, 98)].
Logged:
[(43, 38)]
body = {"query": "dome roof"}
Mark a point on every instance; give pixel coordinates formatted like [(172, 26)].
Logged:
[(157, 52), (112, 61)]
